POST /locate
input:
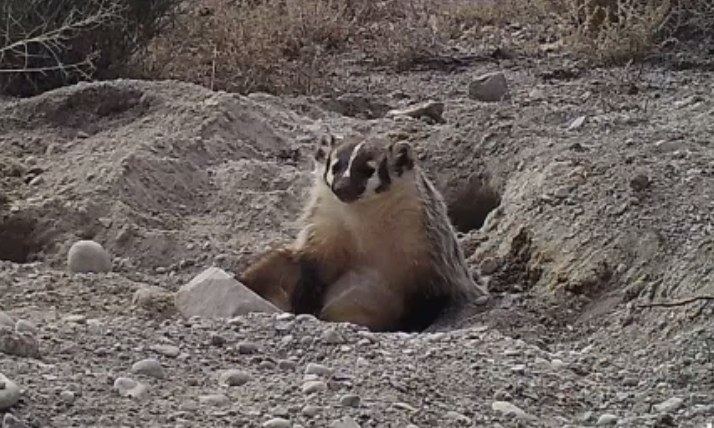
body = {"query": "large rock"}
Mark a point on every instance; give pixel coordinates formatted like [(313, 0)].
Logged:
[(9, 393), (492, 87), (216, 294), (88, 256)]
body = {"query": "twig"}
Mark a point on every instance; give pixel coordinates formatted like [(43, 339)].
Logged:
[(674, 303)]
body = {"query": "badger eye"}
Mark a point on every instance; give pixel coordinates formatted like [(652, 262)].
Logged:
[(366, 170), (337, 167)]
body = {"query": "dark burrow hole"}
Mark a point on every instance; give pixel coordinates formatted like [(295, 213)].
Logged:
[(18, 242), (471, 202)]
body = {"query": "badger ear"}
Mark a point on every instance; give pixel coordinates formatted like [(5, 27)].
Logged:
[(402, 157), (325, 144)]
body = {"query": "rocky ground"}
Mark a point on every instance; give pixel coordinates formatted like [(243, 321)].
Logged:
[(596, 188)]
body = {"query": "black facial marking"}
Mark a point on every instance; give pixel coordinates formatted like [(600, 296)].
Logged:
[(402, 160), (384, 179)]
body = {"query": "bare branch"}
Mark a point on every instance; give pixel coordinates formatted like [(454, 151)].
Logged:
[(675, 303)]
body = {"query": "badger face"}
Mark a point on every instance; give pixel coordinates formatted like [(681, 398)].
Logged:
[(360, 170)]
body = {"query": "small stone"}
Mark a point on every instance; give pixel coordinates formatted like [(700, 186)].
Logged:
[(287, 365), (669, 406), (75, 319), (127, 387), (510, 409), (405, 406), (234, 377), (492, 87), (577, 123), (6, 320), (350, 400), (346, 422), (215, 294), (88, 256), (266, 365), (458, 417), (216, 400), (277, 423), (18, 344), (11, 421), (318, 369), (246, 348), (606, 419), (24, 326), (149, 367), (332, 336), (314, 386), (10, 393), (67, 396), (310, 410), (488, 266), (170, 351)]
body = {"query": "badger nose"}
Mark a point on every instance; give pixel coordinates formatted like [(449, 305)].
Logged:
[(345, 190)]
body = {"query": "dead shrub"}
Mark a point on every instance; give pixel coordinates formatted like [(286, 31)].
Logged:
[(291, 46), (46, 44)]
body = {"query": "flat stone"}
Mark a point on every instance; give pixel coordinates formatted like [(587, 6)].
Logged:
[(215, 294)]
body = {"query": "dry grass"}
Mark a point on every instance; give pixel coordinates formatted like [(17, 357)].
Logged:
[(291, 46), (302, 46)]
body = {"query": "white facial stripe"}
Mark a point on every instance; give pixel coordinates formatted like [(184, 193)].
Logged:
[(330, 177), (354, 154)]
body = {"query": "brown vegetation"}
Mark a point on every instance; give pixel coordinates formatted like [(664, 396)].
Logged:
[(305, 46)]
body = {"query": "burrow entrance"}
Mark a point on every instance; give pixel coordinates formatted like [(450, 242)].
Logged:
[(18, 237), (471, 202)]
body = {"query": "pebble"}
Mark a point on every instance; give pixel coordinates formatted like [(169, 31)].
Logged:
[(246, 348), (149, 367), (318, 369), (606, 419), (346, 422), (128, 387), (11, 421), (510, 409), (10, 393), (492, 87), (18, 344), (277, 423), (67, 396), (314, 386), (6, 320), (310, 410), (332, 337), (266, 365), (234, 377), (287, 365), (350, 400), (458, 417), (170, 351), (670, 405), (87, 256), (24, 326), (217, 400)]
